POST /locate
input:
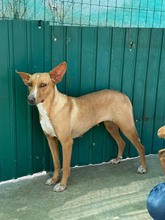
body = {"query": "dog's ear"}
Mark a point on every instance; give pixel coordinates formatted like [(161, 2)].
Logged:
[(58, 72), (25, 76)]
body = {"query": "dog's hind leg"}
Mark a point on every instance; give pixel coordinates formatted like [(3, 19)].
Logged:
[(53, 145), (113, 129), (132, 135)]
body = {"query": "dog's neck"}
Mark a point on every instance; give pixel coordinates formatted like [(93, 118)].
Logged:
[(59, 100), (54, 101), (50, 98)]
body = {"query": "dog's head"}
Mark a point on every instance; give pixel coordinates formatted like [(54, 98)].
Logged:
[(40, 84)]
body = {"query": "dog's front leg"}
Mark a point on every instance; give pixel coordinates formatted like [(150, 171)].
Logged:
[(66, 151), (53, 144)]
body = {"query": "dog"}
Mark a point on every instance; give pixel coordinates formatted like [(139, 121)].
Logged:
[(161, 153), (64, 118), (161, 132)]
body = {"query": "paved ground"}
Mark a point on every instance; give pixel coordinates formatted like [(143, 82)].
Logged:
[(95, 192)]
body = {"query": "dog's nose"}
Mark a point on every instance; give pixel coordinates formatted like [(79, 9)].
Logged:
[(31, 100)]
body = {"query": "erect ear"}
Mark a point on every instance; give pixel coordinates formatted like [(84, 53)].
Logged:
[(25, 76), (58, 72)]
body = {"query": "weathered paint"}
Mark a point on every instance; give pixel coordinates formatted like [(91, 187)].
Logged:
[(97, 58), (123, 13)]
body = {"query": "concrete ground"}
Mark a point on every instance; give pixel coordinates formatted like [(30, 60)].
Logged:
[(98, 192)]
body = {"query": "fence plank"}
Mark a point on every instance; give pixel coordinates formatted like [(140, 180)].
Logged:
[(7, 159)]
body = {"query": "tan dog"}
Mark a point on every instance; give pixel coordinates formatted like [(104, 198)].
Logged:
[(64, 118), (161, 132), (161, 153)]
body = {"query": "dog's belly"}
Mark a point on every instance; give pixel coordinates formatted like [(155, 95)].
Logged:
[(76, 134), (83, 127), (45, 121)]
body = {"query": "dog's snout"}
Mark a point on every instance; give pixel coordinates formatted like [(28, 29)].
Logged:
[(31, 100)]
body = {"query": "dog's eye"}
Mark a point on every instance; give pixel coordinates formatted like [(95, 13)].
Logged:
[(43, 85), (30, 84)]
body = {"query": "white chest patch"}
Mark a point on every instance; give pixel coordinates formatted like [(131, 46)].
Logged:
[(45, 121)]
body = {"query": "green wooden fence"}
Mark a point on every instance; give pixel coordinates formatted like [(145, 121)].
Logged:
[(128, 60)]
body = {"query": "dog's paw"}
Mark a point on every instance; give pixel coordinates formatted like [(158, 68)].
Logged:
[(141, 170), (116, 161), (59, 188), (50, 182)]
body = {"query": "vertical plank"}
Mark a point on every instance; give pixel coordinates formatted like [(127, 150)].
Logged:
[(7, 166), (59, 51), (12, 98), (140, 80), (129, 65), (129, 61), (159, 119), (19, 54), (98, 144), (102, 78), (73, 40), (116, 68), (47, 47), (47, 158), (29, 108), (37, 44), (103, 58), (58, 56), (88, 60), (151, 89), (73, 56)]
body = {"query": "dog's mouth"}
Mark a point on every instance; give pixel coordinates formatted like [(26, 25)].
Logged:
[(32, 102)]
